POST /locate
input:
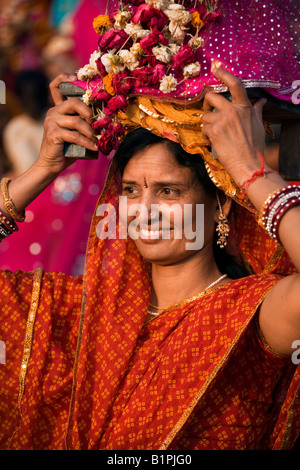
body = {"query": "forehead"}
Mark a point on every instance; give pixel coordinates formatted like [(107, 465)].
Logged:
[(156, 160)]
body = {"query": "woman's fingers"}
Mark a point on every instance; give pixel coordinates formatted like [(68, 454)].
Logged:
[(75, 106), (235, 85), (54, 86)]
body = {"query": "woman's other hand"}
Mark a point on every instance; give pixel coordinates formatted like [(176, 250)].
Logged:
[(236, 130)]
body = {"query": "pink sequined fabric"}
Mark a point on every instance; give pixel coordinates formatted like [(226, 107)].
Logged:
[(258, 41)]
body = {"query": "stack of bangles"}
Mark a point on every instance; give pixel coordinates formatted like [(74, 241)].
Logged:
[(8, 226), (276, 206)]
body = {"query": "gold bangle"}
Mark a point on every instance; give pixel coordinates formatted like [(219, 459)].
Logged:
[(8, 203)]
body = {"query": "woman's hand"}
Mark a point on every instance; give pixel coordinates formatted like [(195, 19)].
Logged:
[(68, 121), (236, 131)]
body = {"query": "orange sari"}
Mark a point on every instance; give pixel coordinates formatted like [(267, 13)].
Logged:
[(84, 371)]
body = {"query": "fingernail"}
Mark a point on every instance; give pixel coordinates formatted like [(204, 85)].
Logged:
[(72, 78)]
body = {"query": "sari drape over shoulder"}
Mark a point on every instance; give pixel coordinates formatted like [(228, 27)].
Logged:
[(85, 370)]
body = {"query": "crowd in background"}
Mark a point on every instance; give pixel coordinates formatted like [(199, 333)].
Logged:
[(38, 40)]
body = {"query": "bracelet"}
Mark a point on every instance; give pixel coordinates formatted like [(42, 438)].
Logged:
[(256, 174), (9, 224), (4, 233), (275, 206), (8, 203)]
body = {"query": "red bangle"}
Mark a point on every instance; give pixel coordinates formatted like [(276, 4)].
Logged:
[(256, 175)]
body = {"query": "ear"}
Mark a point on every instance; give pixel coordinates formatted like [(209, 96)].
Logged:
[(225, 202)]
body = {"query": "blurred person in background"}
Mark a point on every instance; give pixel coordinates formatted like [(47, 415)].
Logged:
[(22, 136)]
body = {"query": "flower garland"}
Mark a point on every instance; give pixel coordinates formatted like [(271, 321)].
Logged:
[(151, 43)]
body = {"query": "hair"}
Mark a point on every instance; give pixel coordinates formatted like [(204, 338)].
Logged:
[(32, 89), (141, 138)]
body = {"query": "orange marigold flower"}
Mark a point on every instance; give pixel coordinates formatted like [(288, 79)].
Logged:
[(107, 82), (196, 20), (101, 23)]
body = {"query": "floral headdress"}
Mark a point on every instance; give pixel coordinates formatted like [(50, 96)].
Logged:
[(148, 45), (154, 59)]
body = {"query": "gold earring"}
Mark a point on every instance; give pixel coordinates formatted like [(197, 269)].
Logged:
[(222, 227)]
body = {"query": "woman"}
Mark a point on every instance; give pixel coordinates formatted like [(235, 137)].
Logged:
[(99, 369)]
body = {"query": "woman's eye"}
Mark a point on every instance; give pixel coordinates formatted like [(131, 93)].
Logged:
[(128, 190), (170, 192)]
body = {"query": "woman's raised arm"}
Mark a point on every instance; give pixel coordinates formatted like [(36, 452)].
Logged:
[(63, 123)]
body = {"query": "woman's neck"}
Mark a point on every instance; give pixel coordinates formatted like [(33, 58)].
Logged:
[(173, 283)]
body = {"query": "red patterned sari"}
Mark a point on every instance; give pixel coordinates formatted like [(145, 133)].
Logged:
[(85, 370)]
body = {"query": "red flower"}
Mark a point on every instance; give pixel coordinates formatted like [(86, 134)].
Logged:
[(121, 83), (142, 76), (149, 17), (207, 15), (112, 39), (107, 142), (117, 103), (118, 129), (101, 67), (184, 56), (154, 38)]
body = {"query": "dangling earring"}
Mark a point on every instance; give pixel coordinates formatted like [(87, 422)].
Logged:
[(222, 227)]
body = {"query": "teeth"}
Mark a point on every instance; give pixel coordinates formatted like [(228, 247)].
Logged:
[(152, 233)]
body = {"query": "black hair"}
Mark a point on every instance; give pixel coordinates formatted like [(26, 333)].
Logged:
[(137, 141), (32, 89)]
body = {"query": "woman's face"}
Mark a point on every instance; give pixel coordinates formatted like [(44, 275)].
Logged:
[(168, 214)]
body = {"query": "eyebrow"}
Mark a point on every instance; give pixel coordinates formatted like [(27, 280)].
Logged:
[(159, 183)]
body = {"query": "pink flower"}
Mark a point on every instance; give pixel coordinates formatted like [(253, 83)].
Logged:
[(157, 74), (150, 17), (121, 83), (101, 123), (99, 95), (154, 38), (117, 103), (184, 56), (112, 39)]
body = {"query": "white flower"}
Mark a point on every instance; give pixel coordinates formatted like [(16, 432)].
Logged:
[(86, 73), (86, 96), (159, 4), (94, 56), (136, 31), (177, 14), (174, 48), (121, 19), (191, 70), (168, 83), (129, 59), (111, 62), (195, 43), (162, 53), (136, 49)]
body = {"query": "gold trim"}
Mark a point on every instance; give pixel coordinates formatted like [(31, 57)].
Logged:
[(186, 301), (35, 297), (29, 330), (180, 423)]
